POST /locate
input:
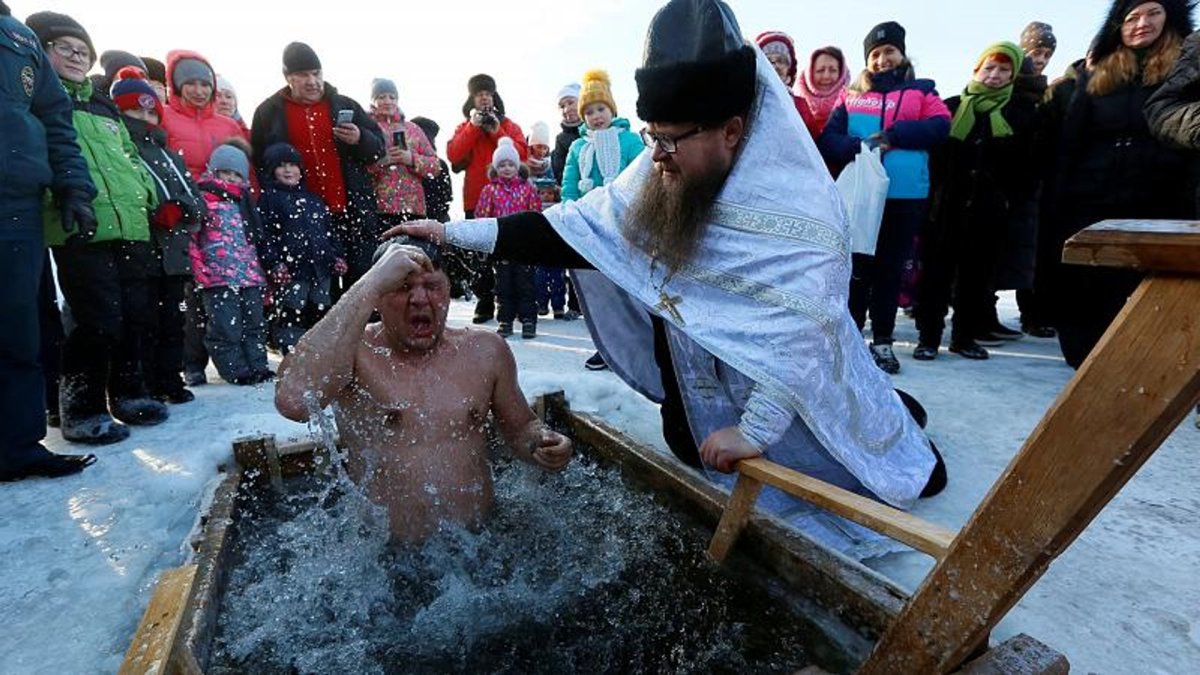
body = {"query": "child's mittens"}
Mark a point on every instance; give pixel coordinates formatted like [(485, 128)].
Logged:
[(340, 267), (167, 215), (586, 185)]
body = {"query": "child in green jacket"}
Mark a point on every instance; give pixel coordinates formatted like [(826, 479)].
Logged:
[(102, 279)]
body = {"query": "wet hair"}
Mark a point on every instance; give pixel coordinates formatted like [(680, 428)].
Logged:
[(430, 249)]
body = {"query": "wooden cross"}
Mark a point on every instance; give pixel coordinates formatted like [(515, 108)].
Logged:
[(668, 303)]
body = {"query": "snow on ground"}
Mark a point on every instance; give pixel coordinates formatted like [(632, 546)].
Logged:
[(80, 555)]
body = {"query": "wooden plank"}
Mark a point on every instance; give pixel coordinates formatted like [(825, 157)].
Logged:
[(921, 534), (1154, 245), (154, 649), (1139, 383), (212, 558), (741, 503), (1019, 655), (261, 457)]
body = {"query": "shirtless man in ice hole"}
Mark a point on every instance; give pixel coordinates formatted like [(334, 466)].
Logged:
[(415, 395)]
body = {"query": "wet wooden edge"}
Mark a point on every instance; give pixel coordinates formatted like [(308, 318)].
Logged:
[(212, 557)]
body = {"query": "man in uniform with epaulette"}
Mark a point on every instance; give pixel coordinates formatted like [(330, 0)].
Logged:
[(38, 152)]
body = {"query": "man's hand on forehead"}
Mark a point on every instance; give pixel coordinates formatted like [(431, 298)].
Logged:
[(394, 263)]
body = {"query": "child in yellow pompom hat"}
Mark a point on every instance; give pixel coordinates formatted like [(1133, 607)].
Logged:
[(605, 147)]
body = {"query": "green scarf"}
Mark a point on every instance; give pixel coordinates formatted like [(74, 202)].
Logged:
[(979, 99)]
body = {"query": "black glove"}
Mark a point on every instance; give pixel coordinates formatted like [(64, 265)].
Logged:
[(78, 219)]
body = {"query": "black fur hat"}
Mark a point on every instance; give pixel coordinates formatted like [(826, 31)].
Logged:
[(481, 82), (697, 66), (1108, 40), (4, 10)]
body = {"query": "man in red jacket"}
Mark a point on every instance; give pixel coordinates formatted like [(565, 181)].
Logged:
[(338, 142), (471, 150)]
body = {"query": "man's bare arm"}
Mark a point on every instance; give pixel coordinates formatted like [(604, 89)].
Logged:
[(323, 361), (526, 435)]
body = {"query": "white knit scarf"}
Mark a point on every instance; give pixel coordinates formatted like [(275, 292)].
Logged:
[(603, 146)]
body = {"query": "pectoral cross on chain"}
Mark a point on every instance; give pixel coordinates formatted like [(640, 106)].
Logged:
[(668, 303)]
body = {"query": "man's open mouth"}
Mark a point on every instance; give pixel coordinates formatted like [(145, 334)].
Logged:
[(421, 326)]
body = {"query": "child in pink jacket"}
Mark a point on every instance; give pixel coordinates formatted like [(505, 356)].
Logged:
[(511, 192), (890, 109), (229, 278)]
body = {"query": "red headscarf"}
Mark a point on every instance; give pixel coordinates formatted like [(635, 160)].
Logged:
[(821, 104), (784, 39)]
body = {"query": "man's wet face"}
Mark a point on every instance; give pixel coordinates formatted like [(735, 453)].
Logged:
[(415, 314)]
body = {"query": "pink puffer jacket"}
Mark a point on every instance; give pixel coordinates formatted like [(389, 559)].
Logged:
[(194, 132)]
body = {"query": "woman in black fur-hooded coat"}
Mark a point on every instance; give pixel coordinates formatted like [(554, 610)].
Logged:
[(1109, 165)]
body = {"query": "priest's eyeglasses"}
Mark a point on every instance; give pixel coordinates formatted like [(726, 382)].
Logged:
[(668, 144), (67, 51)]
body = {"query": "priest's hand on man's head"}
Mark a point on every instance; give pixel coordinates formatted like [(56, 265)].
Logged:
[(724, 448), (421, 229)]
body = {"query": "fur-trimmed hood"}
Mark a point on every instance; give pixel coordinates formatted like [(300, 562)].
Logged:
[(1108, 40)]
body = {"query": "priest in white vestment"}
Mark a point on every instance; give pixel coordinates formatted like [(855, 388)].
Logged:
[(714, 275)]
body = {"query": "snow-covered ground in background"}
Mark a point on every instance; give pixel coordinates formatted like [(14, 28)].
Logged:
[(79, 555)]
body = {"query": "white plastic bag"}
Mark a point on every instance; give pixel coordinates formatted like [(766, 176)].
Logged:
[(864, 187)]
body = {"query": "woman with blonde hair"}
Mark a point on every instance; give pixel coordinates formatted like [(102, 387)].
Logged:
[(1110, 165)]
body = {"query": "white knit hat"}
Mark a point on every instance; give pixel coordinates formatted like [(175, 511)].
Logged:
[(568, 91), (540, 134), (505, 149)]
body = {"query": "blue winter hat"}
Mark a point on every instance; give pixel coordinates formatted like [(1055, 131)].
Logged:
[(279, 153), (380, 86), (229, 158)]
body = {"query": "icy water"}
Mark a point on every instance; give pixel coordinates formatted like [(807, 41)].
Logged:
[(574, 572)]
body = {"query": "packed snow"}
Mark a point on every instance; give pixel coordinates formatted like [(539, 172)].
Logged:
[(81, 554)]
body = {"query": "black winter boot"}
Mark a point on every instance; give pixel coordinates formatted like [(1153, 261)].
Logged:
[(142, 411), (94, 430)]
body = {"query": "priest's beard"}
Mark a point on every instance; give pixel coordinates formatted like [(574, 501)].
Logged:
[(669, 222)]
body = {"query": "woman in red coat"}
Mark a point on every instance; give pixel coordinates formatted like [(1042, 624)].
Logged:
[(191, 121)]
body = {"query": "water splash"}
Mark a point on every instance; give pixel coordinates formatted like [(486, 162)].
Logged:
[(574, 571)]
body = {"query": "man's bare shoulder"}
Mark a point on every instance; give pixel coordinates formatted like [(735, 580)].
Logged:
[(477, 345)]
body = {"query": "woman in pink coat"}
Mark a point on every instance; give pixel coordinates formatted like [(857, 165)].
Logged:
[(191, 121)]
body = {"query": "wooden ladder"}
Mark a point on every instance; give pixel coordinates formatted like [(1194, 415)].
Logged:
[(1140, 381)]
